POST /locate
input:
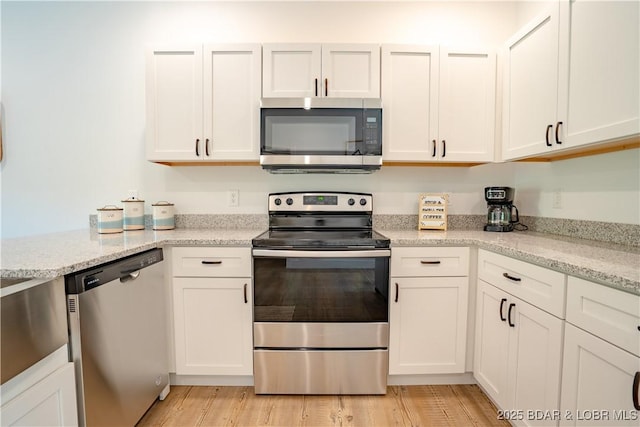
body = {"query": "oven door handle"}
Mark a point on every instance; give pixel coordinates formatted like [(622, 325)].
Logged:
[(276, 253)]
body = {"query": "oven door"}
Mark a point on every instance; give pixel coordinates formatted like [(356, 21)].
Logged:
[(321, 321), (347, 286)]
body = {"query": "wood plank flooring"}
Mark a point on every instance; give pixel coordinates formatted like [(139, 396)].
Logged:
[(437, 405)]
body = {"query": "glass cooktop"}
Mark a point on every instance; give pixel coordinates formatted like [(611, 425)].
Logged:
[(328, 239)]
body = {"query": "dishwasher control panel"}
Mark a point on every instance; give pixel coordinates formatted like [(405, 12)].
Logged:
[(85, 280)]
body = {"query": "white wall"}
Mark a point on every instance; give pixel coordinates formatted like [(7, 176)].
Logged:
[(73, 101)]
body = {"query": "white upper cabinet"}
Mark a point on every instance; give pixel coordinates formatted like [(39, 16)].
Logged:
[(203, 103), (467, 109), (294, 70), (174, 103), (439, 104), (531, 87), (599, 93), (571, 78)]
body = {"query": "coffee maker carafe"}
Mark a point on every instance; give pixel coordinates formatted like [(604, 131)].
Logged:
[(500, 209)]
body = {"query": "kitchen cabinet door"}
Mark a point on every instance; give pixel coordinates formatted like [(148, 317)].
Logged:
[(351, 70), (49, 402), (428, 325), (439, 104), (530, 88), (203, 106), (599, 84), (213, 326), (467, 105), (491, 353), (291, 70), (297, 70), (535, 359), (410, 82), (597, 379), (518, 354), (174, 104), (232, 76)]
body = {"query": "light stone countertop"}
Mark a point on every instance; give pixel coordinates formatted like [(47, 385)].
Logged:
[(613, 265), (57, 254)]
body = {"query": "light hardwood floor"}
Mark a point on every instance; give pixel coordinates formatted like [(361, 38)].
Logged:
[(440, 405)]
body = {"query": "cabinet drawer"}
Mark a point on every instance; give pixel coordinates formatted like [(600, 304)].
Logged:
[(429, 261), (608, 313), (536, 285), (211, 262)]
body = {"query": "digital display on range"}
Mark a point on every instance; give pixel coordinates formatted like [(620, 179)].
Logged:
[(320, 200)]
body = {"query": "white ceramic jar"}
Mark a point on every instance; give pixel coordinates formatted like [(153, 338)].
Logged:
[(133, 214), (163, 216), (110, 219)]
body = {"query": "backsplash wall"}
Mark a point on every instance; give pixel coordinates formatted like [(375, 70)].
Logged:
[(73, 112)]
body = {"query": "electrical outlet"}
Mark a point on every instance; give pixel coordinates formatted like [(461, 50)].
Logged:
[(232, 197), (557, 199)]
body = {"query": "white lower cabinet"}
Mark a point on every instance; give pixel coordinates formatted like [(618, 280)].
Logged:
[(601, 365), (212, 315), (49, 402), (428, 310), (598, 387), (518, 356), (428, 325)]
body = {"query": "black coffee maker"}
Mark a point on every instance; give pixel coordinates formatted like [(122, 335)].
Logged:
[(500, 209)]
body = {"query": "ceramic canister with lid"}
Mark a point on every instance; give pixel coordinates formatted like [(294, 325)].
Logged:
[(133, 214), (110, 219), (163, 217)]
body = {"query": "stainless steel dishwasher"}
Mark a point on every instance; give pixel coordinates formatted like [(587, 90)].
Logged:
[(118, 342)]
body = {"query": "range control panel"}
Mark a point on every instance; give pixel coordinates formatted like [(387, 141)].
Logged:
[(320, 202)]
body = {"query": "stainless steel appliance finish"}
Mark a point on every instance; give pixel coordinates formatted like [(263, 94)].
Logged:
[(118, 343), (321, 278), (33, 322), (320, 137)]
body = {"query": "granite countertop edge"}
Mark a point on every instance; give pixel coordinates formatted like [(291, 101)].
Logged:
[(596, 264)]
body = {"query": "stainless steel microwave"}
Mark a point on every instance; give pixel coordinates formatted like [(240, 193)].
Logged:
[(320, 135)]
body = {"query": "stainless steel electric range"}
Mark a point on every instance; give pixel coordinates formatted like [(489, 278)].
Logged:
[(321, 283)]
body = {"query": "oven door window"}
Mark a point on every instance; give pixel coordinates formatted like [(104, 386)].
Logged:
[(337, 289)]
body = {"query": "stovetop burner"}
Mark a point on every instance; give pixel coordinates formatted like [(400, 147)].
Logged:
[(320, 220)]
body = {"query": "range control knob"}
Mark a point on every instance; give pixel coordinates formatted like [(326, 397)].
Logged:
[(289, 201), (277, 201), (363, 202), (351, 202)]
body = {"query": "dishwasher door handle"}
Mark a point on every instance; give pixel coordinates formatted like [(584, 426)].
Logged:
[(129, 276)]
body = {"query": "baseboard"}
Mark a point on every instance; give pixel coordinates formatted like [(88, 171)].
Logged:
[(211, 380), (431, 379)]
